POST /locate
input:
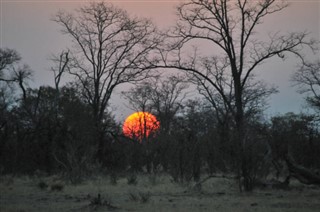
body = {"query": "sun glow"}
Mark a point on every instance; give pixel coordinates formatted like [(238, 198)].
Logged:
[(140, 125)]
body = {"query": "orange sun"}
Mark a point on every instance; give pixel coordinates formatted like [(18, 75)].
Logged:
[(140, 125)]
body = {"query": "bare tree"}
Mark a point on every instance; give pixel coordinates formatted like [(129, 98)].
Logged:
[(163, 97), (229, 28), (110, 49), (139, 97), (21, 75), (11, 72), (308, 80), (62, 67), (167, 97)]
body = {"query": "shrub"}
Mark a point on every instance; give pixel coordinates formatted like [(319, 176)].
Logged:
[(142, 197), (42, 185), (133, 197), (57, 187), (132, 179)]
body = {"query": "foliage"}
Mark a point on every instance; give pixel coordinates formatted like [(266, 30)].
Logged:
[(298, 136)]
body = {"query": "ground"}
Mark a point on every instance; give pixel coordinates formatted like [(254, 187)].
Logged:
[(151, 193)]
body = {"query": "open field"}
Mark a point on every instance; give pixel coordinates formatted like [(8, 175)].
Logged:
[(24, 194)]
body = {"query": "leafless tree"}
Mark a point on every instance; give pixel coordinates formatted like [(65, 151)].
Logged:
[(308, 80), (139, 97), (229, 30), (21, 75), (162, 96), (167, 97), (255, 93), (110, 48), (11, 72), (62, 67)]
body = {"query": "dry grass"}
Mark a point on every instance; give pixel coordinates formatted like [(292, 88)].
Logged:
[(216, 194)]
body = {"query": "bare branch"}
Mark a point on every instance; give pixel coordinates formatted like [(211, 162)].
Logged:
[(110, 49), (308, 80)]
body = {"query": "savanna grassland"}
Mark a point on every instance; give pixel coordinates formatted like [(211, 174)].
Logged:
[(149, 193)]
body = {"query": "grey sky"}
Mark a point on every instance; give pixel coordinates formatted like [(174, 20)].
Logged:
[(26, 27)]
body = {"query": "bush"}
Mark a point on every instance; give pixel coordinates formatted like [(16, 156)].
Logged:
[(42, 185), (57, 187), (132, 179), (142, 197)]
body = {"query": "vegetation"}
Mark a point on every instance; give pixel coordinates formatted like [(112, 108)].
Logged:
[(67, 131), (220, 194)]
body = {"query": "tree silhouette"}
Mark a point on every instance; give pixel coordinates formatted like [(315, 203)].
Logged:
[(308, 80), (230, 29), (11, 72), (163, 97), (110, 49), (8, 58)]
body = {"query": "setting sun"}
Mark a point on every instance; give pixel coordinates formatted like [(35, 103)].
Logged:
[(140, 125)]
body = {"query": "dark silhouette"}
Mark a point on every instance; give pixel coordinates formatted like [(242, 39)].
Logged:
[(68, 129), (229, 26)]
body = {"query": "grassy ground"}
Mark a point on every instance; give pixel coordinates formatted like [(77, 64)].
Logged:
[(149, 194)]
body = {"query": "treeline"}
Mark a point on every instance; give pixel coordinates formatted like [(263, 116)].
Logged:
[(68, 128), (43, 132)]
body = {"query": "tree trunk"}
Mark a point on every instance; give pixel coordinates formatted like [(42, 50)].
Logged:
[(244, 159), (301, 173)]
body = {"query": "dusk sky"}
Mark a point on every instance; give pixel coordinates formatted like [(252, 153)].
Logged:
[(26, 26)]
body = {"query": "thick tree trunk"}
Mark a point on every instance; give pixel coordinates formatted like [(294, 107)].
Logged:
[(243, 163)]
